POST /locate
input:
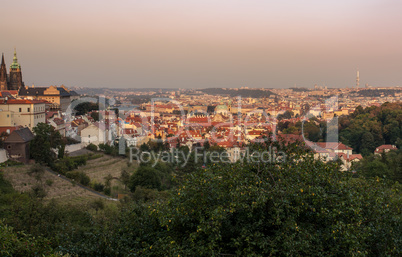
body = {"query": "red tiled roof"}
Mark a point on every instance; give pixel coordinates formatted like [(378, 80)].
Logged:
[(381, 148), (21, 101), (333, 146), (11, 129)]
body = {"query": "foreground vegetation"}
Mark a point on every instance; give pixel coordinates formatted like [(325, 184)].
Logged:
[(298, 207)]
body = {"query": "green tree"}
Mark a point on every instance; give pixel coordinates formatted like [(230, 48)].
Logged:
[(146, 177), (125, 177), (95, 116), (367, 145), (45, 143), (298, 208)]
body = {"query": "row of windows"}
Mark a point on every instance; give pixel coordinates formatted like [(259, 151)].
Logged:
[(36, 109)]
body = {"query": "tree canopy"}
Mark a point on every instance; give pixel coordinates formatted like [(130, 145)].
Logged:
[(45, 144)]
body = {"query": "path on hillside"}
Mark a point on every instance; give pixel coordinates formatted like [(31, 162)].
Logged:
[(82, 186)]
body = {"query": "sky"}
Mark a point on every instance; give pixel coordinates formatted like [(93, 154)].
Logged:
[(208, 43)]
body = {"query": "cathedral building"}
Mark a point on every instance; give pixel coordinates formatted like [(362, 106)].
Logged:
[(12, 81)]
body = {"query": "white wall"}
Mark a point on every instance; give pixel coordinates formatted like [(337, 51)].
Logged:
[(3, 155)]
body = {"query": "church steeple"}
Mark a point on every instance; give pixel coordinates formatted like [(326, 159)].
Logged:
[(15, 80), (3, 74), (15, 65)]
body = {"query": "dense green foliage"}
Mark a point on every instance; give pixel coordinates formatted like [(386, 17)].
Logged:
[(66, 164), (46, 141), (84, 108), (296, 207), (92, 147), (368, 128), (14, 243), (109, 149), (313, 129), (388, 165), (304, 208)]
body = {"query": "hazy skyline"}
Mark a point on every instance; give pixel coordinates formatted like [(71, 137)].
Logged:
[(190, 44)]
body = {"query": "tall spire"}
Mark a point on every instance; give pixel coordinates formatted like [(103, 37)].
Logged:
[(3, 74), (15, 64), (3, 63)]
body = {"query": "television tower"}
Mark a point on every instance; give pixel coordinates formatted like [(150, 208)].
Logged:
[(357, 79)]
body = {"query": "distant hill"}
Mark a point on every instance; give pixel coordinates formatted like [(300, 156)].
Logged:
[(378, 92), (255, 93)]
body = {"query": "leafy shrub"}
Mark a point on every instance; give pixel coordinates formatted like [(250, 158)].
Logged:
[(10, 163), (79, 176), (98, 187), (145, 176), (145, 195), (107, 190), (111, 150), (92, 147), (20, 244), (69, 163)]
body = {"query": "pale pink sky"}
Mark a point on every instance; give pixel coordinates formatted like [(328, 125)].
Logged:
[(190, 44)]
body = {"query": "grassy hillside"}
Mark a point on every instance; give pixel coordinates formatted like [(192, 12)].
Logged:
[(56, 187), (100, 168), (65, 191)]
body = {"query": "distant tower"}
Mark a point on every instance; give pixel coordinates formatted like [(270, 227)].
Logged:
[(357, 79), (15, 74), (3, 74)]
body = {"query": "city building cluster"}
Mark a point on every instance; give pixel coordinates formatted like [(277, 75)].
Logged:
[(180, 117)]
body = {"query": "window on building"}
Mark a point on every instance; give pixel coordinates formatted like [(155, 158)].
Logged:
[(29, 109), (20, 109)]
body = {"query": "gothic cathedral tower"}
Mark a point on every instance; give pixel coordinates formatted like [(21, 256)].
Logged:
[(15, 82), (3, 74)]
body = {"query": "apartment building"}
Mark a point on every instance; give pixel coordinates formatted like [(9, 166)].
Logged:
[(19, 112)]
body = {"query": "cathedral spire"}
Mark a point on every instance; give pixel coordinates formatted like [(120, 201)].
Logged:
[(15, 64), (3, 74), (3, 63)]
